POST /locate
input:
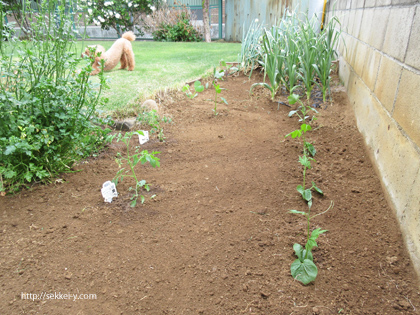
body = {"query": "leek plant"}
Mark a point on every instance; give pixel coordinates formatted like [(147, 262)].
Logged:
[(308, 55), (272, 63), (326, 53), (292, 53), (250, 48)]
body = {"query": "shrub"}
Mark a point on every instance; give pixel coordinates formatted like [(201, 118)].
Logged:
[(172, 24), (48, 107)]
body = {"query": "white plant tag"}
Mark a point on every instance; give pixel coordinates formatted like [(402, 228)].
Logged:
[(109, 191), (145, 138)]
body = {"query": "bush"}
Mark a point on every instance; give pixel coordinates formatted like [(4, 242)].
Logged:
[(121, 15), (173, 25), (48, 107)]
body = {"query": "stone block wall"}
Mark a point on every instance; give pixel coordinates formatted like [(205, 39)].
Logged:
[(380, 67)]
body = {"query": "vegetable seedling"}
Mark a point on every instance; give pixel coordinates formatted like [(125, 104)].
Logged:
[(132, 160), (198, 87)]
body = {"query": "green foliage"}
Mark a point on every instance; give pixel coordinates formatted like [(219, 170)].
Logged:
[(292, 53), (47, 104), (303, 268), (131, 161), (250, 48), (198, 88), (121, 15), (152, 119), (181, 31)]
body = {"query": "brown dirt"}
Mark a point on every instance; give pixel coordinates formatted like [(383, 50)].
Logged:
[(218, 237)]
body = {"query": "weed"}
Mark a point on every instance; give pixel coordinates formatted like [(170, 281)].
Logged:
[(132, 160)]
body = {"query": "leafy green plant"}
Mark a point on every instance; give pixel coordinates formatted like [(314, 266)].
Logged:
[(131, 161), (198, 88), (153, 119), (48, 105)]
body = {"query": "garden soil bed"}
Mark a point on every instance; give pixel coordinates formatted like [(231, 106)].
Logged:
[(217, 238)]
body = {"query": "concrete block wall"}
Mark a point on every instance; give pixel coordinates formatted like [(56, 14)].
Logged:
[(380, 67)]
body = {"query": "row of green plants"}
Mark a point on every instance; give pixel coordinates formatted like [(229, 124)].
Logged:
[(48, 105), (292, 54), (304, 268), (219, 74)]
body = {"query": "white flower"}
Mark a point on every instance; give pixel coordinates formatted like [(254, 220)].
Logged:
[(152, 8), (111, 13), (100, 18), (89, 3), (107, 3), (90, 11), (96, 22), (117, 15), (130, 4), (136, 5)]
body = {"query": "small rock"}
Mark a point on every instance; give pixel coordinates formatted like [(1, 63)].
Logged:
[(125, 125), (68, 275), (150, 105)]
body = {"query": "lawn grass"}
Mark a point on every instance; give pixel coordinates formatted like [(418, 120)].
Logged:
[(160, 66)]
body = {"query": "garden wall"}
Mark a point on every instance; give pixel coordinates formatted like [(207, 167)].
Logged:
[(240, 13), (380, 67)]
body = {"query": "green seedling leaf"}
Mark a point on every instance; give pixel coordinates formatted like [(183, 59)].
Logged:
[(300, 189), (218, 89), (294, 134), (311, 149), (185, 88), (307, 195), (305, 127), (298, 212), (319, 191), (198, 87), (142, 199), (305, 161), (301, 252), (305, 271), (292, 112), (298, 251), (293, 98), (317, 232), (224, 100), (133, 203)]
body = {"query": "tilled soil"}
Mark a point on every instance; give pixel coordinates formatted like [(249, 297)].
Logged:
[(217, 238)]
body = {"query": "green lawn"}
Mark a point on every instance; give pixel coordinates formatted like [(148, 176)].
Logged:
[(161, 66)]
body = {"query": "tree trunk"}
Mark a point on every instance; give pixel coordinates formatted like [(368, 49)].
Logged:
[(206, 4)]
